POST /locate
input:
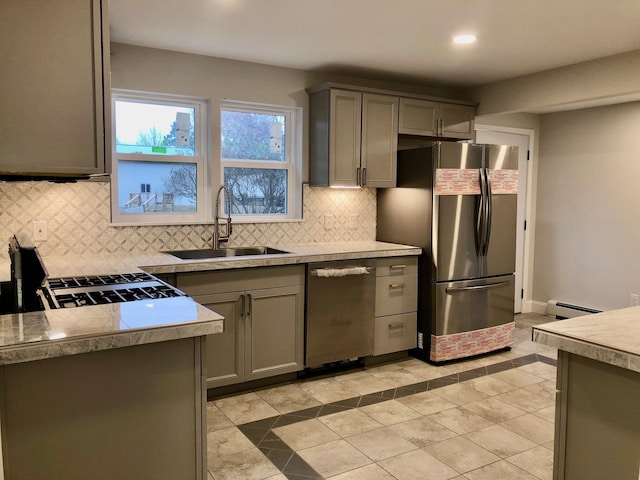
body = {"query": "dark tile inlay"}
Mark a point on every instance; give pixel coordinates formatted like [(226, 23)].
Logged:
[(295, 468)]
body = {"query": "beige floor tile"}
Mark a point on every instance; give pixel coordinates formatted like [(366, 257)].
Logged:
[(501, 470), (459, 393), (549, 352), (370, 472), (306, 434), (245, 408), (494, 410), (423, 370), (334, 458), (417, 465), (422, 431), (349, 422), (390, 412), (519, 379), (365, 384), (549, 445), (500, 441), (537, 461), (461, 454), (328, 390), (539, 369), (277, 477), (529, 426), (490, 385), (546, 389), (547, 413), (526, 400), (397, 378), (460, 420), (288, 398), (227, 441), (380, 444), (247, 465), (426, 403), (216, 420)]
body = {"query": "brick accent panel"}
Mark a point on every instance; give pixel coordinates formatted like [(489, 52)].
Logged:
[(466, 344)]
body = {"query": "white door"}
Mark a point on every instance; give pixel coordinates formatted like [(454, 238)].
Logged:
[(522, 142)]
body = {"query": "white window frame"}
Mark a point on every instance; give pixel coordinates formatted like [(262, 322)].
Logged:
[(201, 159), (292, 163)]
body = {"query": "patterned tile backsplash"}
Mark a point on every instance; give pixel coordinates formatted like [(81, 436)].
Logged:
[(78, 221)]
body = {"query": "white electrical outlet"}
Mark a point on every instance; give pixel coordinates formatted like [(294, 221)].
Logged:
[(329, 220), (634, 299), (353, 221), (40, 231)]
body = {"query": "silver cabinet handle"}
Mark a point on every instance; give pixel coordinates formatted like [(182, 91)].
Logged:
[(249, 304), (477, 287), (397, 285), (341, 272), (397, 267), (395, 326), (358, 176), (364, 176), (242, 306)]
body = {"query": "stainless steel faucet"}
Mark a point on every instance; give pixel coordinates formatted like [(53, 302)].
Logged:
[(217, 238)]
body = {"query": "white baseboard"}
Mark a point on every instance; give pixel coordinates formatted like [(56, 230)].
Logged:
[(536, 307)]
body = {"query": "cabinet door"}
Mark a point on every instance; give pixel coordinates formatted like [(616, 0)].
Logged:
[(379, 140), (225, 351), (457, 121), (344, 137), (52, 102), (418, 117), (274, 336)]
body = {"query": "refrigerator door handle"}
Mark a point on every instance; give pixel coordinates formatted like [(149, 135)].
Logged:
[(476, 287), (481, 222), (489, 212)]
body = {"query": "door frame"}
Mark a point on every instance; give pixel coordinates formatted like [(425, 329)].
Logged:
[(525, 304)]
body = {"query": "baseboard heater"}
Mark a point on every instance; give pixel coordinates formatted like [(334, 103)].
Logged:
[(561, 310)]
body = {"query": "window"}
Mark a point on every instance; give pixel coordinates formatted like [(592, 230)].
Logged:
[(159, 159), (260, 160)]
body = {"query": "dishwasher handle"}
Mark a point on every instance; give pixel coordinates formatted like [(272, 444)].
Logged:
[(341, 272)]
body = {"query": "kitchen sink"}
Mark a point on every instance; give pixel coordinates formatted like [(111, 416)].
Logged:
[(224, 252)]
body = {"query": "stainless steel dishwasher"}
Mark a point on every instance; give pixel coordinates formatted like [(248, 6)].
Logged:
[(340, 311)]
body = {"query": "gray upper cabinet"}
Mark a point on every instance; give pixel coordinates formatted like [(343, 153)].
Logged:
[(54, 101), (436, 119), (353, 138)]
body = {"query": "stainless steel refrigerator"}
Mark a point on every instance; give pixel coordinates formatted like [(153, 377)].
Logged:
[(458, 202)]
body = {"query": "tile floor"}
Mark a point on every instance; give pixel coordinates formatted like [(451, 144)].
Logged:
[(484, 419)]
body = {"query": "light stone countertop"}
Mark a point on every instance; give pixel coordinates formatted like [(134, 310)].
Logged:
[(53, 333), (611, 337)]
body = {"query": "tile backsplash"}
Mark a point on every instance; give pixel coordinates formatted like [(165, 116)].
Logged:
[(78, 221)]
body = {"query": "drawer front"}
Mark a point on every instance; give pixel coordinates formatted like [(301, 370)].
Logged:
[(396, 294), (395, 333), (397, 266)]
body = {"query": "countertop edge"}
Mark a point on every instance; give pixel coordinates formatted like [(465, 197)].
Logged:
[(107, 341), (586, 349)]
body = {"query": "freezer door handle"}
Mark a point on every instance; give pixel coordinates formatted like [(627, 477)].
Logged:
[(477, 287), (480, 223)]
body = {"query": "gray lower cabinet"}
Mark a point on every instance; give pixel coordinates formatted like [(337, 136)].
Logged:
[(264, 321), (597, 428), (396, 305), (55, 87)]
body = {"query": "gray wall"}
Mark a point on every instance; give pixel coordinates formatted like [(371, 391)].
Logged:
[(587, 219)]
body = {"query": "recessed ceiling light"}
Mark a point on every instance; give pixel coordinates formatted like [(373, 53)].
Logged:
[(464, 39)]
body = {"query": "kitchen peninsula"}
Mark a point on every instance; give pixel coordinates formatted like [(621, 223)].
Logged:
[(107, 391), (598, 382)]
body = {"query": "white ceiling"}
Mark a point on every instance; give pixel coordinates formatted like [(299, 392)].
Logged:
[(396, 39)]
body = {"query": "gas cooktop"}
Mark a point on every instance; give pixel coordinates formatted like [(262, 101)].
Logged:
[(104, 289)]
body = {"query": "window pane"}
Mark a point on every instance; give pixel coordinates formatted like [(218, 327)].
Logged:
[(153, 187), (154, 129), (257, 190), (252, 136)]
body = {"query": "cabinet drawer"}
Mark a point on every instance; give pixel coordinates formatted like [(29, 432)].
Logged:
[(397, 266), (395, 333), (396, 294)]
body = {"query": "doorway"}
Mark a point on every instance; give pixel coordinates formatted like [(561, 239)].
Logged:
[(486, 134)]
